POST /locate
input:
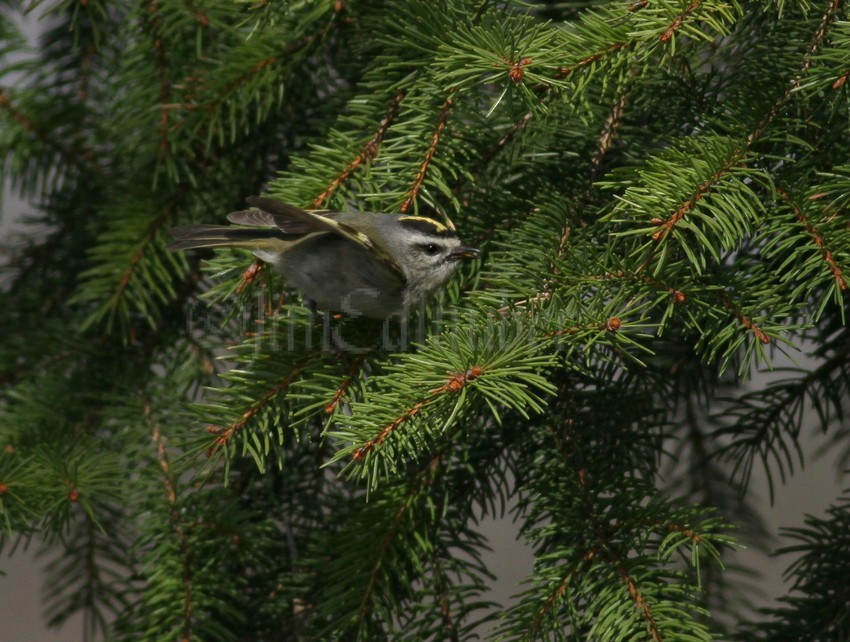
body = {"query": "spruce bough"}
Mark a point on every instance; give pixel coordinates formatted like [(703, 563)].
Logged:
[(659, 190)]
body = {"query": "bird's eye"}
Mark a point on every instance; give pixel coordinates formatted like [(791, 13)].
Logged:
[(430, 248)]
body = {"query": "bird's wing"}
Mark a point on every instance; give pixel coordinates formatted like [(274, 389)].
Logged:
[(252, 218), (292, 220)]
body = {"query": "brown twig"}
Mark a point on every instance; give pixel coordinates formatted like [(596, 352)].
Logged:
[(349, 378), (171, 495), (679, 20), (640, 603), (559, 591), (746, 321), (202, 19), (429, 155), (678, 296), (81, 160), (162, 456), (224, 435), (290, 48), (493, 151), (608, 136), (606, 142), (818, 239), (665, 227), (604, 548), (611, 325), (443, 600), (487, 157), (161, 219), (224, 93), (369, 152), (155, 22), (796, 80), (425, 476), (819, 35), (696, 538), (563, 72), (392, 531), (454, 385)]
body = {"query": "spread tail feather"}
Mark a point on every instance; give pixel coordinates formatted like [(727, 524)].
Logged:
[(190, 237)]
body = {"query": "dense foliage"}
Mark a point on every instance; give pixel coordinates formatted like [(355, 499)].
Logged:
[(660, 191)]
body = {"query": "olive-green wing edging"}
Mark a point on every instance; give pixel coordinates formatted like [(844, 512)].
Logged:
[(290, 218), (190, 237)]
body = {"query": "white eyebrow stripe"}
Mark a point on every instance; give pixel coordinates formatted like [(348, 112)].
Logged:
[(421, 239)]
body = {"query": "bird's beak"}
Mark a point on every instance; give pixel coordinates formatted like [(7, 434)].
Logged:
[(463, 252)]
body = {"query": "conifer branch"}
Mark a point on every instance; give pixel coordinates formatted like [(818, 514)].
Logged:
[(506, 138), (638, 599), (176, 518), (820, 34), (225, 92), (677, 295), (818, 239), (563, 72), (603, 547), (222, 95), (369, 152), (207, 93), (679, 20), (429, 155), (608, 136), (492, 152), (81, 160), (607, 551), (634, 592), (605, 143), (611, 325), (737, 157), (449, 625), (199, 15), (556, 595), (746, 321), (690, 534), (161, 219), (453, 386), (665, 227), (796, 81), (383, 549), (224, 435), (351, 375), (154, 24), (768, 427), (424, 478)]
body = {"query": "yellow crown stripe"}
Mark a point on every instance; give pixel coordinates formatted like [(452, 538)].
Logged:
[(439, 228)]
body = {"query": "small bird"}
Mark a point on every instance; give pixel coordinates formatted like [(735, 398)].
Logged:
[(360, 263)]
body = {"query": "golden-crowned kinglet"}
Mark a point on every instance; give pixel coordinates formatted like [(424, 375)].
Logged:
[(361, 263)]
